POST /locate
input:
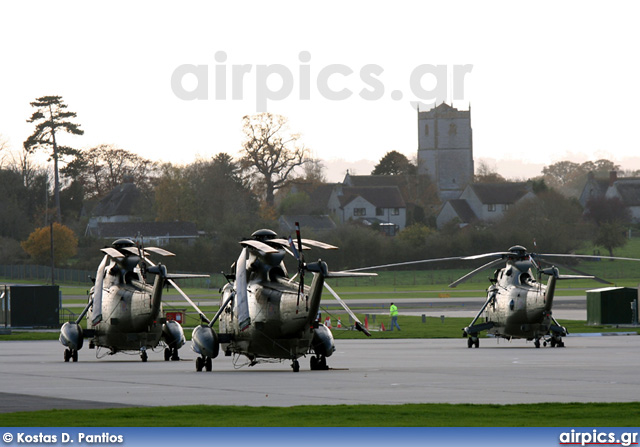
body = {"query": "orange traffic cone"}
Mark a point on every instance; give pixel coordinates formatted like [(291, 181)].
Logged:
[(339, 323)]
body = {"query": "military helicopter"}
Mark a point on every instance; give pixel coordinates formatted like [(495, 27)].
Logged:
[(518, 305), (124, 312), (266, 316)]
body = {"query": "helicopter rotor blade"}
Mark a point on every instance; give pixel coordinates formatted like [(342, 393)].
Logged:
[(399, 264), (97, 290), (301, 265), (159, 251), (359, 325), (180, 291), (244, 317), (259, 246), (615, 258), (319, 244), (188, 300), (112, 253), (575, 270), (487, 255), (475, 272)]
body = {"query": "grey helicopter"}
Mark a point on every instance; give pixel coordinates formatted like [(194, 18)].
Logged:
[(518, 304), (264, 314), (124, 312)]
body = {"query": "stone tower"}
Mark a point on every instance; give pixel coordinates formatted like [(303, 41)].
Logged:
[(445, 149)]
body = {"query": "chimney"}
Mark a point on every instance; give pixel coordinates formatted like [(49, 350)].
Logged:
[(613, 176)]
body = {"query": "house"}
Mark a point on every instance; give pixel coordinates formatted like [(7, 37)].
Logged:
[(374, 180), (117, 206), (371, 205), (596, 187), (627, 189), (484, 202), (456, 209), (152, 233), (114, 218)]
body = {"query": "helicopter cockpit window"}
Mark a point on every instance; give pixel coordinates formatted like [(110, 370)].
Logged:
[(525, 278), (275, 273)]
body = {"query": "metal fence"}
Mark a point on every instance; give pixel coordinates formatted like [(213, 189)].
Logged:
[(43, 273)]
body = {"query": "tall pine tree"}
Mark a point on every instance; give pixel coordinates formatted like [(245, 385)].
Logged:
[(51, 118)]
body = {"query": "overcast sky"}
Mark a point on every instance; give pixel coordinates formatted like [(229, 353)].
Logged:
[(546, 81)]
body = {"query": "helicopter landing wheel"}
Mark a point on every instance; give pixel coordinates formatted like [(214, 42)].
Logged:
[(199, 363), (296, 366), (323, 363), (469, 342), (208, 364), (476, 342), (553, 342), (560, 344), (67, 355), (74, 355), (544, 343), (174, 355), (167, 354), (537, 343), (314, 363), (143, 356)]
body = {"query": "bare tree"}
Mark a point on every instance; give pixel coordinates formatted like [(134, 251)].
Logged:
[(487, 174), (271, 150), (4, 148), (102, 168)]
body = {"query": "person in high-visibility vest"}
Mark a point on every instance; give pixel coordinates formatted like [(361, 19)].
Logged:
[(393, 311)]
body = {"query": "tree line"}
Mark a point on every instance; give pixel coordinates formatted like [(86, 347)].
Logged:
[(228, 198)]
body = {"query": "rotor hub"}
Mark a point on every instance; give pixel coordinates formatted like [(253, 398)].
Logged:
[(122, 243), (263, 235)]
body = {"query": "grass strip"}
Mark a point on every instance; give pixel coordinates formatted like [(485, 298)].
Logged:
[(624, 414)]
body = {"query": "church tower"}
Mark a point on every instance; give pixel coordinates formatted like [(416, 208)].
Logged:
[(445, 149)]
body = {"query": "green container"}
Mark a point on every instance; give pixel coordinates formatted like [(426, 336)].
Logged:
[(611, 305)]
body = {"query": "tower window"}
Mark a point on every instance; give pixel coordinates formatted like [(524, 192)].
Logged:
[(453, 129)]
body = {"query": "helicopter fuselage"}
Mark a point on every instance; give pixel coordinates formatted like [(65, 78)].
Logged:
[(518, 304), (131, 312), (282, 325), (264, 315), (124, 312)]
